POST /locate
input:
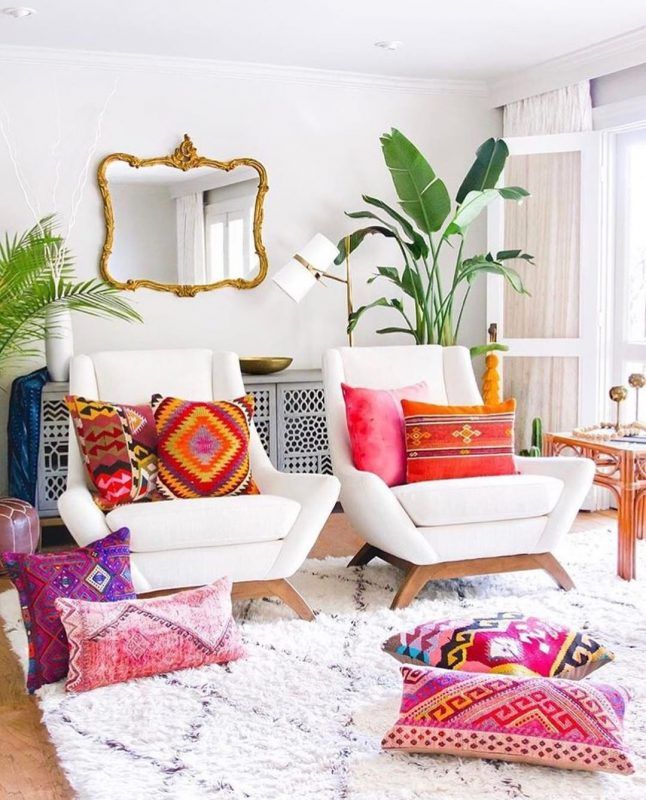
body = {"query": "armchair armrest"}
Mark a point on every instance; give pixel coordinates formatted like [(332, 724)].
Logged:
[(81, 516), (380, 519), (576, 474)]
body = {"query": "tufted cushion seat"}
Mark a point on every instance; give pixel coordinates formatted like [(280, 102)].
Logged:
[(205, 522)]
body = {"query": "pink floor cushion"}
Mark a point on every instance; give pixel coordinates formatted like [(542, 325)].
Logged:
[(376, 428), (563, 724), (138, 638), (507, 643), (98, 572)]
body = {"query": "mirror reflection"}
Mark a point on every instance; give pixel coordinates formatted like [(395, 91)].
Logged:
[(190, 228)]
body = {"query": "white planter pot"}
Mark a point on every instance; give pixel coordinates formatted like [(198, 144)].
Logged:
[(59, 343)]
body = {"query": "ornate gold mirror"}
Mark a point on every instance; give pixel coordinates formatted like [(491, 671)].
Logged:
[(182, 223)]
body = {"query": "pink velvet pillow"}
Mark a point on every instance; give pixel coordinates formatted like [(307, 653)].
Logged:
[(114, 642), (376, 428)]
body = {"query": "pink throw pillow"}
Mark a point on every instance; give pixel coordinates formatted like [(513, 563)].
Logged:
[(114, 642), (376, 428)]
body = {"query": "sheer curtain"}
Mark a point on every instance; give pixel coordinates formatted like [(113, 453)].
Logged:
[(566, 110), (191, 261)]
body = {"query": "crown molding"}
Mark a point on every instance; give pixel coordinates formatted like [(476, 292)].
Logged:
[(207, 68), (622, 113), (612, 55)]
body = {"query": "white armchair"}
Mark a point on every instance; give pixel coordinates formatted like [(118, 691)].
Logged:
[(447, 528), (257, 540)]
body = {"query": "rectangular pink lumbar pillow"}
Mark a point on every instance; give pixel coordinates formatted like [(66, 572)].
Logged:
[(555, 723), (114, 642), (376, 428)]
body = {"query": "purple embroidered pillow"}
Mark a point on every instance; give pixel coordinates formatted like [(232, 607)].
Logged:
[(100, 571), (115, 642), (563, 724)]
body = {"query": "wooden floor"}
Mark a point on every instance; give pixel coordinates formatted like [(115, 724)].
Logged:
[(28, 766)]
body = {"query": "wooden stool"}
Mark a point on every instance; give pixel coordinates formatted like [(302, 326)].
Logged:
[(19, 527)]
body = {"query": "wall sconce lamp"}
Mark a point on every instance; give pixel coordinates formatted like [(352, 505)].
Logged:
[(309, 266)]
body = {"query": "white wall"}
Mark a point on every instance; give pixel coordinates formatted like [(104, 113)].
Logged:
[(619, 86), (320, 145), (145, 244)]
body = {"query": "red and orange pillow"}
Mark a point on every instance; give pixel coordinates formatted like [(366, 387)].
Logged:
[(172, 449), (203, 448), (444, 442), (401, 438)]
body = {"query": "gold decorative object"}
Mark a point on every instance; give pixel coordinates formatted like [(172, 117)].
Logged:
[(185, 157), (263, 365), (618, 394), (637, 381)]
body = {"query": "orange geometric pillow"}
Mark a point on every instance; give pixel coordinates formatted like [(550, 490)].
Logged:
[(203, 448), (444, 442)]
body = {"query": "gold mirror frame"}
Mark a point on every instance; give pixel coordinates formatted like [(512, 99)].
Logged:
[(184, 157)]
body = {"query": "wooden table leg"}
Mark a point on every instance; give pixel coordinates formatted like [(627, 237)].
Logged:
[(626, 522)]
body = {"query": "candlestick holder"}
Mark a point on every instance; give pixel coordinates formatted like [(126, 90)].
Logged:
[(637, 381), (618, 394)]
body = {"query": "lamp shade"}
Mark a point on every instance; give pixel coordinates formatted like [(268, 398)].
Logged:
[(294, 278)]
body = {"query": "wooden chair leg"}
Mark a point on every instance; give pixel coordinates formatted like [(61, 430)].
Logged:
[(364, 556), (555, 570), (280, 587), (416, 579), (284, 589)]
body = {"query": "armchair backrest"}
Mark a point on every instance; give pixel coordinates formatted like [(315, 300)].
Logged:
[(447, 371), (133, 376)]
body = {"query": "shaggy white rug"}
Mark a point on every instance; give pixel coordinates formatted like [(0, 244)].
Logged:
[(304, 714)]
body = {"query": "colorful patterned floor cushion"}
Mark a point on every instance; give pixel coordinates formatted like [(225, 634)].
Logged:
[(118, 444), (444, 442), (203, 448), (507, 643), (138, 638), (376, 429), (563, 724), (98, 572)]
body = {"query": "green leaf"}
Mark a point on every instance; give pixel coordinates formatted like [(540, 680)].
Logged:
[(357, 237), (391, 273), (413, 247), (474, 204), (486, 169), (422, 195), (417, 240), (411, 283), (398, 330), (513, 192), (507, 255), (482, 349), (356, 315)]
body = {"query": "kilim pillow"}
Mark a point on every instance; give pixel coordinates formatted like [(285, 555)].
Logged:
[(507, 643), (118, 444), (100, 571), (563, 724), (138, 638), (458, 441), (376, 429), (203, 448)]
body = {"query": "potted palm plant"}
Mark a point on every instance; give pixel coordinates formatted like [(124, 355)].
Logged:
[(430, 231), (38, 290)]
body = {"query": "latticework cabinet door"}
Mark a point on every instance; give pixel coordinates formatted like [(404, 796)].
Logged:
[(52, 457), (302, 431), (264, 417)]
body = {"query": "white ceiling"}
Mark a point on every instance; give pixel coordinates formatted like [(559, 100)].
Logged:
[(466, 39)]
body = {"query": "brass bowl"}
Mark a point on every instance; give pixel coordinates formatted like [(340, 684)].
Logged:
[(263, 365)]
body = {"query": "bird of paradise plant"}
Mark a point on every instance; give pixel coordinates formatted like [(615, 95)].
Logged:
[(430, 224)]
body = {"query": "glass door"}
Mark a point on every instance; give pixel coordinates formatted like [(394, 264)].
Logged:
[(552, 367)]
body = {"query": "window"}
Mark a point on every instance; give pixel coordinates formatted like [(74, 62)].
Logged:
[(630, 255), (229, 237)]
